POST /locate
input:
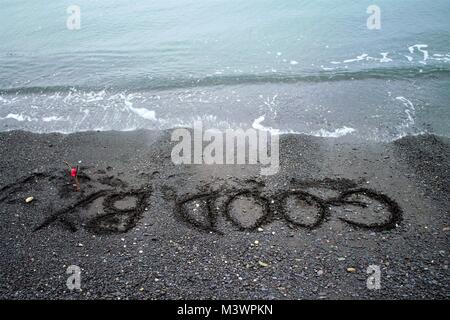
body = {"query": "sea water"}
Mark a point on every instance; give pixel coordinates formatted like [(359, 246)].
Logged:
[(314, 67)]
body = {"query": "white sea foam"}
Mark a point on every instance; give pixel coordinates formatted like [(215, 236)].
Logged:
[(52, 118), (142, 112), (410, 112), (339, 132), (421, 48), (385, 57), (358, 58), (327, 68), (19, 117), (413, 50), (257, 125)]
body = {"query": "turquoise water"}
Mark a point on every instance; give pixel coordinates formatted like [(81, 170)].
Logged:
[(295, 66)]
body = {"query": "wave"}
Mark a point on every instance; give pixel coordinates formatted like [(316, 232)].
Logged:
[(145, 84)]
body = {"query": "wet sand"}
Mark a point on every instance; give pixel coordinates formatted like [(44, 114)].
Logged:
[(144, 228)]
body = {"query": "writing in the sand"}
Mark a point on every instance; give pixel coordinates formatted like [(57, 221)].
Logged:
[(243, 208)]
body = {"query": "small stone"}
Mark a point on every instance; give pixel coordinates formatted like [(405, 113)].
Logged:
[(263, 264), (320, 272), (260, 229), (80, 245), (341, 259), (446, 229), (256, 242), (29, 199), (141, 289), (351, 270)]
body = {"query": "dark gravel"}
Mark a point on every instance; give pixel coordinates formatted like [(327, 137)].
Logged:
[(143, 228)]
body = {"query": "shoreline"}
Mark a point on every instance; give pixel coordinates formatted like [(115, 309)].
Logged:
[(144, 228)]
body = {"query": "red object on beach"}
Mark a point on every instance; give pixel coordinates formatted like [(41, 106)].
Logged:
[(73, 172)]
